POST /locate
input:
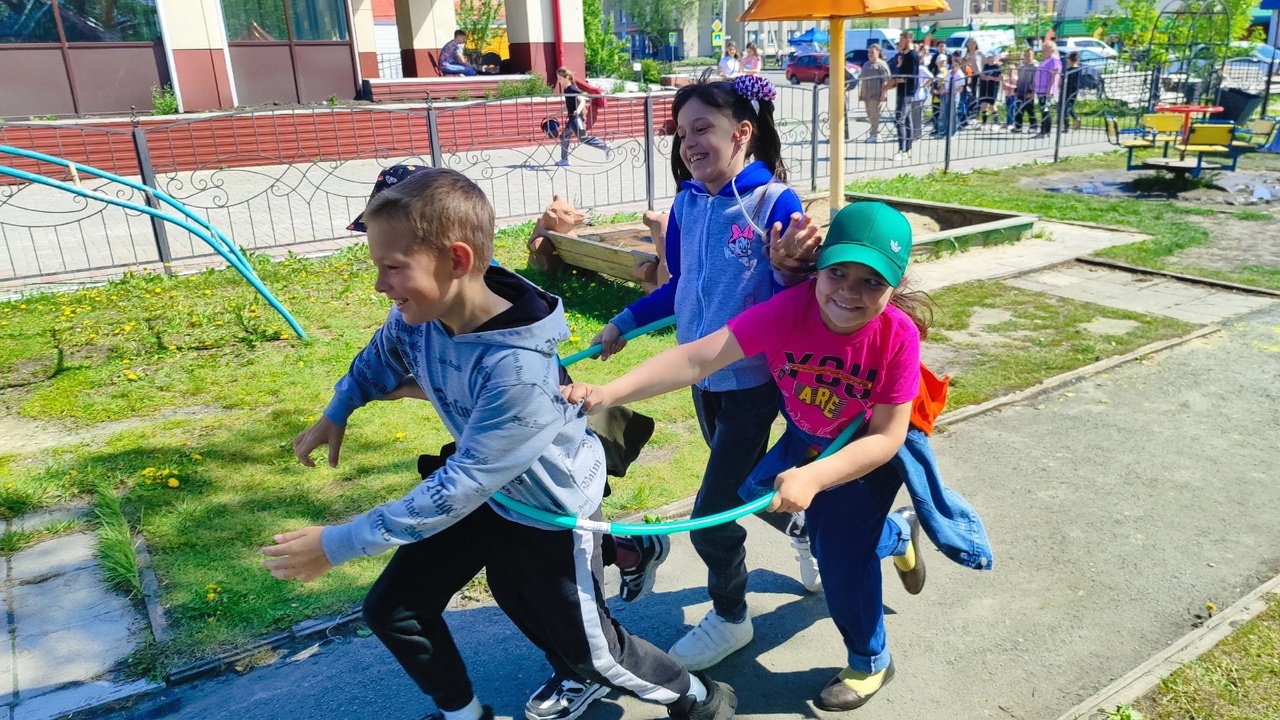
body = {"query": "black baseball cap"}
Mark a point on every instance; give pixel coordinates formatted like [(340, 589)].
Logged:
[(386, 179)]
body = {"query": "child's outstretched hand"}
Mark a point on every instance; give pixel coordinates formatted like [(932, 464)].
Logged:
[(301, 555), (609, 338), (795, 492), (324, 432), (797, 247), (592, 398)]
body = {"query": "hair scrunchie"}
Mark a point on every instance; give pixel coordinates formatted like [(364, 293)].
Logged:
[(755, 88)]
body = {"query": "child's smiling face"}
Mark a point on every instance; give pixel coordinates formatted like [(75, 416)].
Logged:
[(712, 145), (419, 282), (850, 295)]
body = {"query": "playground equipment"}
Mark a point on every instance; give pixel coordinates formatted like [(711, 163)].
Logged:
[(189, 221)]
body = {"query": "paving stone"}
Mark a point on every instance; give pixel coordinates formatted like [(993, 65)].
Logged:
[(42, 519), (65, 601), (6, 671), (50, 660), (78, 697), (1030, 285), (56, 556), (1198, 318), (1055, 278)]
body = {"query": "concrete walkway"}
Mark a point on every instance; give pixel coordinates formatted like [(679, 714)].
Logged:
[(1115, 512)]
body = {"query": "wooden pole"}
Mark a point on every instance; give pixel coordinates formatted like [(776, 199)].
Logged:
[(835, 151)]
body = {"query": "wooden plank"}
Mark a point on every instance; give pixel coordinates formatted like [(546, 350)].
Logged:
[(589, 254)]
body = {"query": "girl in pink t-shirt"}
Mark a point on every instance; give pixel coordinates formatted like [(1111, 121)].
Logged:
[(843, 347)]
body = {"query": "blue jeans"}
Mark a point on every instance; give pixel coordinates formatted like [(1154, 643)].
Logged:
[(735, 425), (850, 532), (948, 123), (457, 69)]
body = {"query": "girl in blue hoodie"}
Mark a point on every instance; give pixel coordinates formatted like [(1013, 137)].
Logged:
[(727, 157)]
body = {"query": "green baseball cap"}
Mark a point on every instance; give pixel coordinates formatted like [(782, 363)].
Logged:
[(871, 233)]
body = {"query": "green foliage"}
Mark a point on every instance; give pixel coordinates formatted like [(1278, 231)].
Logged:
[(115, 543), (163, 100), (1122, 712), (619, 86), (462, 95), (530, 85), (651, 71), (478, 18), (656, 18), (606, 53), (332, 101)]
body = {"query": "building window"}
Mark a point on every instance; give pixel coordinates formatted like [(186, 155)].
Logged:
[(255, 20), (318, 19), (264, 20), (83, 21)]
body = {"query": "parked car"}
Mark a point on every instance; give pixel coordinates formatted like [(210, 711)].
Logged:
[(1077, 44), (816, 68)]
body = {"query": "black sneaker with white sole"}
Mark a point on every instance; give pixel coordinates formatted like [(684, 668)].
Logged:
[(638, 581), (720, 704), (563, 698)]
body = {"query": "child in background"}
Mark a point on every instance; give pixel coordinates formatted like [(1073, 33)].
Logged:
[(480, 342), (582, 115), (723, 260), (843, 347)]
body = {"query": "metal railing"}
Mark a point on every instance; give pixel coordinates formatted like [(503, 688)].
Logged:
[(293, 178)]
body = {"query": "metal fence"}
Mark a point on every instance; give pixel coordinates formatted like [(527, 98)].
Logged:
[(295, 178)]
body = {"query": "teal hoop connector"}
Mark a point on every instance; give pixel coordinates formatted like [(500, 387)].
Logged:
[(663, 528)]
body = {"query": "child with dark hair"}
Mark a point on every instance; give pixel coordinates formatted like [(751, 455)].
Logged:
[(1072, 88), (736, 236)]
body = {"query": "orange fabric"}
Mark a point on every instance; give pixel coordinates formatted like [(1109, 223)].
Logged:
[(931, 400)]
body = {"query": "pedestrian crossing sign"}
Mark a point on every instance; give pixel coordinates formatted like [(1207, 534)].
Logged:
[(717, 39)]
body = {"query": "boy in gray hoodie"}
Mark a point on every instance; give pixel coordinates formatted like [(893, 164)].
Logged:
[(481, 342)]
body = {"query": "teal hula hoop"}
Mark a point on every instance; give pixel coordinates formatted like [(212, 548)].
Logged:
[(569, 522)]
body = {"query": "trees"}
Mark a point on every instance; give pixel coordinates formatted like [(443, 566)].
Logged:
[(606, 53), (656, 18)]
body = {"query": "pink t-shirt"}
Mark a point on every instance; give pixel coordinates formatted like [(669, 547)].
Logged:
[(827, 379)]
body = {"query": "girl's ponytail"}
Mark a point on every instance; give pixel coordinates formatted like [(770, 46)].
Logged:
[(916, 304)]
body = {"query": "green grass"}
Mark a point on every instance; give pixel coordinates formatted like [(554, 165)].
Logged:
[(15, 540), (115, 543), (210, 482), (1042, 338), (1239, 679), (1167, 223)]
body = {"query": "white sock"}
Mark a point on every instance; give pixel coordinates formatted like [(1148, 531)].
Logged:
[(697, 690), (473, 711)]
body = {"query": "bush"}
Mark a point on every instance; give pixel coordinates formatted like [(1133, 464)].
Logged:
[(163, 100), (619, 86), (530, 85), (651, 70)]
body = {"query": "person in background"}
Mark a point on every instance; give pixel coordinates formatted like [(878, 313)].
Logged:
[(1071, 89), (906, 69), (1026, 91), (989, 90), (1048, 79), (752, 63), (971, 65), (730, 65), (873, 88), (453, 61)]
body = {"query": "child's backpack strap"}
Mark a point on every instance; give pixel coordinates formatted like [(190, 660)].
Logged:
[(930, 401)]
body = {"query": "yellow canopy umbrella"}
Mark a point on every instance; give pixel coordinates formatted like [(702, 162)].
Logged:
[(836, 12)]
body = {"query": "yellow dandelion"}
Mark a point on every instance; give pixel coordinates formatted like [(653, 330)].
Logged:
[(72, 472), (574, 338), (300, 363), (173, 482), (4, 322), (8, 486), (401, 436), (211, 597), (197, 457), (149, 471), (210, 586), (173, 347), (308, 419), (208, 292), (125, 361)]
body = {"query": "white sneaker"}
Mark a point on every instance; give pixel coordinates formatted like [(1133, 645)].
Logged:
[(809, 576), (711, 641)]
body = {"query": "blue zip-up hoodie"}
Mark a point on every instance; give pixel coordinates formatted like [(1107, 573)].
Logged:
[(719, 265), (498, 393)]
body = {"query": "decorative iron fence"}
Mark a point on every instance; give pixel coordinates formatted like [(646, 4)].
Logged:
[(293, 178)]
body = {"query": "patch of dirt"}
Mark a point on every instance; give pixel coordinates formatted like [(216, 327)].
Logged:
[(1234, 244), (1109, 326), (962, 348), (1233, 188), (24, 435), (948, 358)]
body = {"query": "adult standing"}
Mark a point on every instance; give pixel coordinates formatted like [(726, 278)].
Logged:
[(873, 88), (1048, 75), (453, 61), (972, 69), (906, 67), (730, 65)]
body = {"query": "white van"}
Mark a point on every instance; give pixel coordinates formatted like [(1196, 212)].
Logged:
[(863, 38), (987, 40)]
